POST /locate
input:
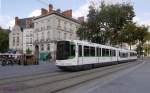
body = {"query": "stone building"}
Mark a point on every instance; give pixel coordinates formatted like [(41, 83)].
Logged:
[(28, 40), (40, 34), (16, 37), (51, 26)]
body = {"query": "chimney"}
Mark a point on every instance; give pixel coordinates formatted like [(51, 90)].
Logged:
[(44, 11), (16, 21), (50, 8), (67, 13), (81, 19)]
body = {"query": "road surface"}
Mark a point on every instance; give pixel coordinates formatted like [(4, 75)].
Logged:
[(132, 77)]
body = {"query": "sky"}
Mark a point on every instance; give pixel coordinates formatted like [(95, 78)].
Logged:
[(9, 9)]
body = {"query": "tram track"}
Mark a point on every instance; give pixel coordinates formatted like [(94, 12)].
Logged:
[(16, 79), (24, 78), (87, 79), (74, 79)]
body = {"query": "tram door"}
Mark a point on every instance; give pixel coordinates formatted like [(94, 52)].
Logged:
[(80, 54)]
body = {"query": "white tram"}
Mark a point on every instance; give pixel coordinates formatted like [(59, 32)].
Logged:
[(79, 55)]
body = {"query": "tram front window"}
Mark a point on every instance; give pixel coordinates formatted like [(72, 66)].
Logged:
[(65, 50)]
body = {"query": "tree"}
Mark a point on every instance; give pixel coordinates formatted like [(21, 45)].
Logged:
[(146, 48), (129, 34), (28, 51), (142, 32), (105, 22), (147, 37), (4, 40)]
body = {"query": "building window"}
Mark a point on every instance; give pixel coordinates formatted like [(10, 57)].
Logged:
[(41, 28), (71, 36), (65, 35), (48, 27), (37, 36), (71, 27), (62, 25), (65, 24), (58, 37), (42, 35), (48, 34), (48, 46), (17, 39), (13, 41), (42, 47), (58, 23)]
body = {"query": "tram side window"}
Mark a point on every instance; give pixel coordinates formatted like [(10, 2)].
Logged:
[(135, 54), (105, 52), (92, 51), (113, 53), (100, 52), (132, 54), (72, 50), (80, 51), (86, 51), (123, 55)]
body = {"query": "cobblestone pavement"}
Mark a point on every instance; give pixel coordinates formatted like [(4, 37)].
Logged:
[(19, 70), (134, 80), (131, 78)]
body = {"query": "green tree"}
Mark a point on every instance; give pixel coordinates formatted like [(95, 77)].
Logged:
[(146, 48), (142, 34), (28, 51), (147, 37), (105, 22), (129, 34), (4, 40)]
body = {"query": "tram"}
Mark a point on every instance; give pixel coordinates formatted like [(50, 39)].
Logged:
[(77, 55)]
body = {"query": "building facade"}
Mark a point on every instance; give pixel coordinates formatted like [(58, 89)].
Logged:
[(28, 40), (52, 26), (40, 34), (17, 37)]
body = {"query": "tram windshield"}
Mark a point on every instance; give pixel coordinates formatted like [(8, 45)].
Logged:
[(65, 50)]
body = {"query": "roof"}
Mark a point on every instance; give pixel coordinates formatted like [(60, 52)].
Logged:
[(59, 14), (23, 23)]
